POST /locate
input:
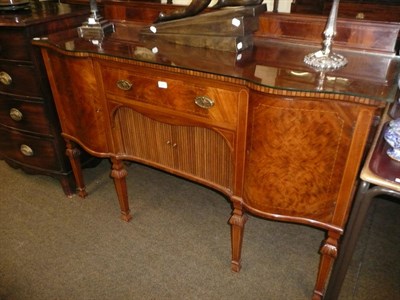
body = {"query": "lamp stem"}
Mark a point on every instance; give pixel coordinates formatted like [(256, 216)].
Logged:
[(330, 29), (93, 9), (325, 59)]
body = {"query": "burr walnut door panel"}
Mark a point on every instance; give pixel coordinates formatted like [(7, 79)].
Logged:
[(302, 157)]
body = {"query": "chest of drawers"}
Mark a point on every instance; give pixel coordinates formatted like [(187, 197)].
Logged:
[(29, 128)]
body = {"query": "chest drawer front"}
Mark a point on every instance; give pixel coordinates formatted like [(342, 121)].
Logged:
[(28, 150), (18, 49), (19, 79), (178, 93), (23, 115)]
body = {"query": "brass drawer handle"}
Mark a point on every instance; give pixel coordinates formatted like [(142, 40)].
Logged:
[(204, 102), (26, 150), (16, 114), (5, 78), (124, 85)]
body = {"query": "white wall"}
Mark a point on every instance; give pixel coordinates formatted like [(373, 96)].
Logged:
[(284, 5)]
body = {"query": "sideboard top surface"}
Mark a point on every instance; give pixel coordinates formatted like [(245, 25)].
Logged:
[(268, 64)]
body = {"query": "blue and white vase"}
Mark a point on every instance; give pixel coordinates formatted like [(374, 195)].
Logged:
[(392, 137)]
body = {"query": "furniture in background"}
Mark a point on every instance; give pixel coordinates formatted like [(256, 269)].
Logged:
[(281, 140), (380, 176), (388, 11), (307, 6), (29, 128), (373, 10), (365, 9)]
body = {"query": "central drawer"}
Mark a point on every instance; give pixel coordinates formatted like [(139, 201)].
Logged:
[(178, 93)]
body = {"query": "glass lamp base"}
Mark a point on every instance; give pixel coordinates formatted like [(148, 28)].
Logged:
[(321, 61)]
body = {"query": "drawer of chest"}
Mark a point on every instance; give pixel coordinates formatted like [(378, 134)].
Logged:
[(19, 79), (23, 115), (28, 150), (178, 93), (18, 49)]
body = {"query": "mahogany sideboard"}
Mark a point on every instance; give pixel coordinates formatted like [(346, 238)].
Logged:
[(30, 134), (281, 140)]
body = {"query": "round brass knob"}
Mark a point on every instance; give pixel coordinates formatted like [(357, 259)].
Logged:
[(5, 78), (26, 150), (16, 114)]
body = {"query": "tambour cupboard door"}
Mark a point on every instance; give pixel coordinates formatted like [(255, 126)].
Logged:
[(141, 137), (199, 153)]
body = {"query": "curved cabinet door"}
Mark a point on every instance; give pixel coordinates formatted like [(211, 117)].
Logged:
[(79, 103), (298, 154)]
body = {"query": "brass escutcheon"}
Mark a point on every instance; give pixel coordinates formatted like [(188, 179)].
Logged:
[(204, 102), (5, 78), (26, 150), (124, 85), (16, 114)]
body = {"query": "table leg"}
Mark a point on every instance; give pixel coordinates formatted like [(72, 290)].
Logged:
[(237, 221), (328, 255), (74, 154), (119, 174)]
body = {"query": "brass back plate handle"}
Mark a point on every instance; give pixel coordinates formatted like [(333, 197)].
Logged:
[(204, 102), (124, 85)]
